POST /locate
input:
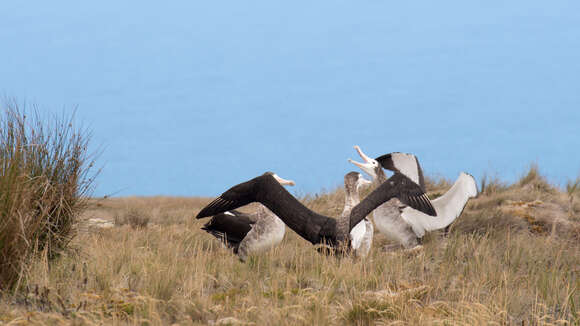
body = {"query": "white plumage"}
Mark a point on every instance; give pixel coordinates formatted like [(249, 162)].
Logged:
[(448, 207), (404, 224), (361, 237)]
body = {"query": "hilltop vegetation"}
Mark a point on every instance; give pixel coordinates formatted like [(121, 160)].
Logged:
[(512, 257)]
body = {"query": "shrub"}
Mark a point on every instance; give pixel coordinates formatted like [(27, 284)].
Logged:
[(45, 180)]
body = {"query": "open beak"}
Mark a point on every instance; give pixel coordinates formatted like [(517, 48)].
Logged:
[(362, 155), (367, 166), (360, 165), (284, 182)]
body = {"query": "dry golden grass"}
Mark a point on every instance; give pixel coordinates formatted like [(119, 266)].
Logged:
[(513, 257)]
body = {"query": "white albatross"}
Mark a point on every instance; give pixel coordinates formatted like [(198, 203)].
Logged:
[(402, 223), (361, 235)]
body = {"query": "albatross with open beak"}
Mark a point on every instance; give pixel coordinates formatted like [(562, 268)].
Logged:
[(399, 221), (311, 226)]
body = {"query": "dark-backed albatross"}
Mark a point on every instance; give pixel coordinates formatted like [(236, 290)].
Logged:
[(249, 234)]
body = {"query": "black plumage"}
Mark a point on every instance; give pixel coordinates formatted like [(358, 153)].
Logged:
[(231, 228), (310, 225)]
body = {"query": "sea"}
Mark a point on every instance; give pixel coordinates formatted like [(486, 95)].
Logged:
[(188, 98)]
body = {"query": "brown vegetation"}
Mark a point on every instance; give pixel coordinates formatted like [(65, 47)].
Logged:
[(513, 257), (43, 182)]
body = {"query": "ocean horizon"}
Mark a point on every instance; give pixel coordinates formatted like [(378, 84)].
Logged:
[(189, 99)]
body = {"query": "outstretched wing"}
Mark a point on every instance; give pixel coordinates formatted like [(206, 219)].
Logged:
[(405, 163), (237, 196), (399, 186), (218, 205), (413, 196), (386, 161)]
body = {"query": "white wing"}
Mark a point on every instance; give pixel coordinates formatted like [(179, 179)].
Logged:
[(448, 207)]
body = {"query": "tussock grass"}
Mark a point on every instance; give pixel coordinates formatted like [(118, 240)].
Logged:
[(44, 180), (534, 181), (492, 268), (136, 218), (437, 183), (572, 189), (491, 185)]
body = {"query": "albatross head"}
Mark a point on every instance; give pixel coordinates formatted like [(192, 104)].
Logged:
[(369, 166), (353, 181), (404, 163), (282, 181)]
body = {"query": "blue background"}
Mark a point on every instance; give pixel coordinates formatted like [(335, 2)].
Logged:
[(189, 98)]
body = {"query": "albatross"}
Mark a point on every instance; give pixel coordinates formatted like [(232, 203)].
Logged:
[(361, 235), (311, 226), (249, 234), (401, 222)]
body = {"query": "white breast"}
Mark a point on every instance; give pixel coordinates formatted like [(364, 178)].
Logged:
[(357, 234), (266, 233), (362, 238)]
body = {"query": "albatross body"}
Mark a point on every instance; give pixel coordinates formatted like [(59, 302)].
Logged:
[(310, 225), (400, 222), (361, 235), (249, 234)]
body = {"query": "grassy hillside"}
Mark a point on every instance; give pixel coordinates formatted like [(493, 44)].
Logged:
[(513, 257)]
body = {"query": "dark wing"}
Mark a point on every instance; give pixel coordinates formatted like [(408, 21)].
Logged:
[(237, 213), (398, 186), (246, 218), (230, 228), (386, 161), (412, 195), (217, 206), (236, 196)]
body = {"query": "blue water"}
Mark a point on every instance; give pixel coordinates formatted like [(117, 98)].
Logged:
[(189, 98)]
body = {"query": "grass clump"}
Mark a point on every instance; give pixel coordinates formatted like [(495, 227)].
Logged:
[(535, 181), (491, 185), (136, 218), (572, 188), (44, 180)]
